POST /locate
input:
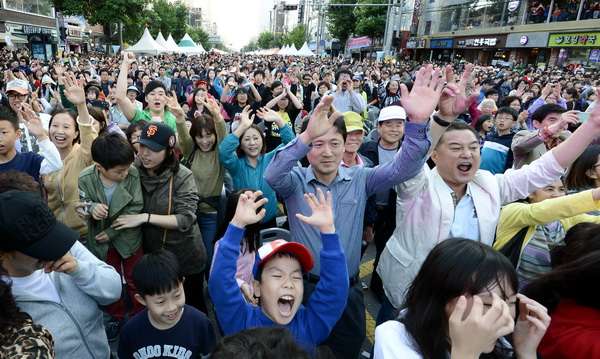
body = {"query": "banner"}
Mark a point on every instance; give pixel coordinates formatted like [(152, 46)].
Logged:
[(358, 42)]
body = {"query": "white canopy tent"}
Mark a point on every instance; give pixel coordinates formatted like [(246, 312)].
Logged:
[(283, 50), (147, 46), (187, 46), (172, 45), (292, 51), (305, 51), (162, 42)]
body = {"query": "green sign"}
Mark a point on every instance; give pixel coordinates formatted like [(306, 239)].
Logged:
[(575, 39)]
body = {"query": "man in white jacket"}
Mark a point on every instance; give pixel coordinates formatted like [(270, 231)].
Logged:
[(456, 199)]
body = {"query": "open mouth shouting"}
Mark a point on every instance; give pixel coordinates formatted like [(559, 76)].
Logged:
[(465, 167), (285, 304)]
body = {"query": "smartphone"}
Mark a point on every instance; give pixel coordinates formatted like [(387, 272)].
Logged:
[(583, 116)]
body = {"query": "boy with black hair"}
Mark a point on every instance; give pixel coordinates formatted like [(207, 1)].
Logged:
[(167, 327), (278, 276), (496, 154), (112, 188), (29, 162)]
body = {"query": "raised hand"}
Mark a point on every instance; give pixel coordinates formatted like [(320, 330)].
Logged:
[(212, 105), (546, 90), (322, 213), (422, 100), (319, 123), (128, 58), (247, 211), (454, 99), (594, 116), (557, 90), (58, 68), (569, 117), (267, 114), (174, 107), (530, 328), (33, 122), (74, 91), (471, 333)]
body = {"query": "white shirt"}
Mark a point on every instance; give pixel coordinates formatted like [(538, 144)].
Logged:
[(466, 221), (39, 283), (393, 341)]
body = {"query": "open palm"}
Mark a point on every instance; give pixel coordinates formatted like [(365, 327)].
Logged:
[(454, 99), (422, 100)]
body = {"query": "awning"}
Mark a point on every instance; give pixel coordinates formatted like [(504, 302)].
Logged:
[(14, 39)]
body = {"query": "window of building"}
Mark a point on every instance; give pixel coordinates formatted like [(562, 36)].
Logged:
[(427, 28), (39, 7)]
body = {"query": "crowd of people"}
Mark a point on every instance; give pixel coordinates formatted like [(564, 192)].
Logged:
[(478, 186)]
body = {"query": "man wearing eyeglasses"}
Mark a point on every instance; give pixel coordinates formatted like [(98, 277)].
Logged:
[(345, 99), (17, 92)]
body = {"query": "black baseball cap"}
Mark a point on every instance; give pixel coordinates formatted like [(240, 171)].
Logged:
[(157, 136), (101, 104), (29, 226)]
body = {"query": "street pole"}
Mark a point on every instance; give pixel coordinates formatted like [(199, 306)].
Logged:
[(389, 28)]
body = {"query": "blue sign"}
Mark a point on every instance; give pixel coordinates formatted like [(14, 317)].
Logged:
[(440, 43)]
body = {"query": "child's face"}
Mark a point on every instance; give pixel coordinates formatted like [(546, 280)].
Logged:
[(504, 121), (281, 289), (91, 95), (8, 136), (164, 310), (487, 125), (115, 174)]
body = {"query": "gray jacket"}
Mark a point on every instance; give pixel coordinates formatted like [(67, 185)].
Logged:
[(76, 323)]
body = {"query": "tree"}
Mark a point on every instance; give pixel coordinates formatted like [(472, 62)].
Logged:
[(252, 46), (266, 40), (104, 12), (198, 35), (169, 18), (371, 19), (341, 22), (297, 36)]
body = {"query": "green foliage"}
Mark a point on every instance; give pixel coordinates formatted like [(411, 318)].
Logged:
[(341, 23), (252, 46), (198, 35), (103, 11), (371, 19), (266, 40), (170, 18), (297, 36)]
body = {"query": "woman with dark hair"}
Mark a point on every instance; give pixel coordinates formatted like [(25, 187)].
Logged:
[(19, 336), (389, 94), (462, 304), (98, 120), (199, 146), (250, 243), (530, 230), (170, 204), (572, 296), (287, 106), (240, 99), (134, 132), (571, 96), (244, 154), (584, 173), (196, 102), (73, 136)]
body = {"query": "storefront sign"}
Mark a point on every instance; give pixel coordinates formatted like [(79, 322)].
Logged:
[(595, 55), (28, 29), (478, 42), (536, 39), (574, 39), (440, 44), (358, 42), (74, 32), (416, 44)]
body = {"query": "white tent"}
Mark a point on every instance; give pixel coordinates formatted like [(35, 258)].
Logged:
[(146, 45), (162, 42), (187, 46), (292, 51), (283, 50), (172, 45), (305, 51)]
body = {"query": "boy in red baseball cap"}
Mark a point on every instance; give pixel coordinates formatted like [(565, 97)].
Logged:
[(278, 275)]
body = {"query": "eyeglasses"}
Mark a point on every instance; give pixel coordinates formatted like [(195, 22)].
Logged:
[(13, 96), (344, 77), (504, 119)]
